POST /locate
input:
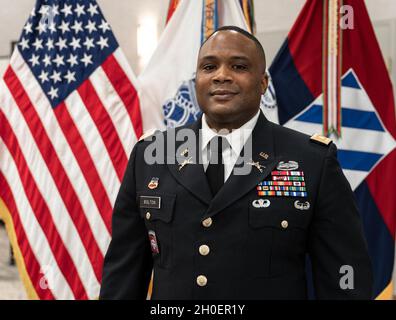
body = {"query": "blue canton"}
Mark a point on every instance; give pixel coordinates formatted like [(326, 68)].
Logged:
[(63, 42)]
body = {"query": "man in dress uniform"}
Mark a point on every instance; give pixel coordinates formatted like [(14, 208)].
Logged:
[(233, 215)]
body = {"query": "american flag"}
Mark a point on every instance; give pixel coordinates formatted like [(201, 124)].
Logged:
[(69, 117)]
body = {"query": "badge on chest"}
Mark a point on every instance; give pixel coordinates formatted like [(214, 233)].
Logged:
[(285, 181)]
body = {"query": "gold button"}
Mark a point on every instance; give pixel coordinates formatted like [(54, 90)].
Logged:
[(207, 222), (284, 224), (204, 250), (202, 281), (148, 215)]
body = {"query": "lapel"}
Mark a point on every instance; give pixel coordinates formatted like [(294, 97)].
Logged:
[(237, 186), (191, 176)]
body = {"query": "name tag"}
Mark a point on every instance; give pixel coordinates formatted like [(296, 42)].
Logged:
[(150, 202)]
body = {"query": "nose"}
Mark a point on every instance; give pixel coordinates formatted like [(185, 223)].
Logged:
[(222, 75)]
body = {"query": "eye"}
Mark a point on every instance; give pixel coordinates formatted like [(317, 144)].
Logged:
[(208, 67), (239, 67)]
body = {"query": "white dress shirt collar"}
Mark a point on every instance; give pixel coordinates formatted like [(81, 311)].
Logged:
[(237, 138)]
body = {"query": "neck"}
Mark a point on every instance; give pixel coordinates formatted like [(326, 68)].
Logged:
[(228, 126)]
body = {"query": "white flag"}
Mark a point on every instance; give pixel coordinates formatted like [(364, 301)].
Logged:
[(167, 93)]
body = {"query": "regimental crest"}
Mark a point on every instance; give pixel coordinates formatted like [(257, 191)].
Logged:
[(153, 184), (183, 107)]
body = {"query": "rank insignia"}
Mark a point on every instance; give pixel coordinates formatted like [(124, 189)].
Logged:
[(153, 242), (321, 139), (153, 184)]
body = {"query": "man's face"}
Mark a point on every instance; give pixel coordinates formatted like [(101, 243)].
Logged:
[(230, 79)]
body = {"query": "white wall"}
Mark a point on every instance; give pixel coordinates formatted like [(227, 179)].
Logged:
[(3, 66)]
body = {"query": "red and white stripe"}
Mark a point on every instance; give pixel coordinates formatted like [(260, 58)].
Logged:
[(60, 171)]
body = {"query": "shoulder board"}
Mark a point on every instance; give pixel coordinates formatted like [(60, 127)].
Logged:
[(321, 139), (148, 134)]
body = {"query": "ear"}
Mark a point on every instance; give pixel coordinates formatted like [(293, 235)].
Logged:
[(264, 82)]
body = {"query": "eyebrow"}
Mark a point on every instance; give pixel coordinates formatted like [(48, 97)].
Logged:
[(211, 57)]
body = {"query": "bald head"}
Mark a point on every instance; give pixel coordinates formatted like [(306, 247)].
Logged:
[(260, 49)]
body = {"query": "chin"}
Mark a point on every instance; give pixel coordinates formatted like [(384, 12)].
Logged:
[(222, 115), (223, 109)]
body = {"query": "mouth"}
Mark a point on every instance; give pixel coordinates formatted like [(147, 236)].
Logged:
[(223, 94)]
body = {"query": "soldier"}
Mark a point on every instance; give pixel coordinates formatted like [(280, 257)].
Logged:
[(209, 228)]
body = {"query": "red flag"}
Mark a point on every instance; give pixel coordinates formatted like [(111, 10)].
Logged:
[(330, 76), (172, 8)]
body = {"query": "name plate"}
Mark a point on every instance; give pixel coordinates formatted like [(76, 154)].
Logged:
[(150, 202)]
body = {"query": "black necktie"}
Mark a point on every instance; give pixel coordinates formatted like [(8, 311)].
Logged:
[(215, 170)]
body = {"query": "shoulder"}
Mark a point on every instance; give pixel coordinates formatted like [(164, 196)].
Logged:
[(148, 134), (154, 134), (289, 139), (161, 137)]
